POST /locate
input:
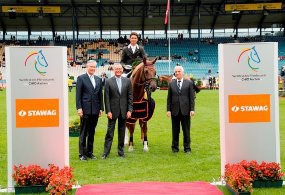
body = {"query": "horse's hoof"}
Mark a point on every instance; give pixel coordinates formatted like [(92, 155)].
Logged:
[(145, 147), (131, 148)]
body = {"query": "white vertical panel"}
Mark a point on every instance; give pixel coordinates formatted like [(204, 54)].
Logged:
[(249, 113), (37, 107)]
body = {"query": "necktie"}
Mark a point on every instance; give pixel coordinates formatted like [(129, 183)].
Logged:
[(119, 84), (179, 86), (93, 80)]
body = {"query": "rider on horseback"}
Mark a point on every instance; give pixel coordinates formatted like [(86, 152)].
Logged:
[(133, 51)]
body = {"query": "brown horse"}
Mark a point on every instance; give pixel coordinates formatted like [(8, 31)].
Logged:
[(143, 80), (166, 78)]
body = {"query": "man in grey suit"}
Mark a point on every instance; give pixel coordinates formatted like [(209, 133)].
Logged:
[(180, 106), (118, 98), (89, 104)]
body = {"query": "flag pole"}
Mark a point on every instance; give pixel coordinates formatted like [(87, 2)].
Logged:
[(168, 35), (168, 44)]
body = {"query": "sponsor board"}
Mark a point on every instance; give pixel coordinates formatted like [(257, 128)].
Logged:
[(37, 113), (249, 108)]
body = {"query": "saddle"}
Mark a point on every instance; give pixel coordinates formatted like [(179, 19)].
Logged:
[(127, 71)]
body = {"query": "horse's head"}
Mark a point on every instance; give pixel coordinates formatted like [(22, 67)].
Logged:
[(144, 74), (149, 74)]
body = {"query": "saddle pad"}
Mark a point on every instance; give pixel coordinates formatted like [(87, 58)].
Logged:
[(140, 110)]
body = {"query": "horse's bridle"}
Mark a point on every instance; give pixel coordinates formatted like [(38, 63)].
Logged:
[(146, 81)]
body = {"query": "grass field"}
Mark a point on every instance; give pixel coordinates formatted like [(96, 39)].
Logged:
[(159, 164)]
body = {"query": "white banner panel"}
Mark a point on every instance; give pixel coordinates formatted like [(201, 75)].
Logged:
[(37, 107), (249, 109)]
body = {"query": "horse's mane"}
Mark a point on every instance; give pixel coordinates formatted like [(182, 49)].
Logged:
[(137, 69), (139, 66)]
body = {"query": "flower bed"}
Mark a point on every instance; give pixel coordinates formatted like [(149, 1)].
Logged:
[(244, 175), (74, 129), (237, 178), (55, 180)]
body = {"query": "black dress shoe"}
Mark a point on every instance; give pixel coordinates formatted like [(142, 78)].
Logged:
[(83, 158), (122, 155), (187, 152), (104, 156), (92, 157)]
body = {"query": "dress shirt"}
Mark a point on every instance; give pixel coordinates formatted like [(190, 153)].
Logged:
[(92, 79), (119, 83)]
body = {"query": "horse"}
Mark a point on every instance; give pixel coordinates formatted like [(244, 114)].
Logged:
[(166, 78), (143, 79)]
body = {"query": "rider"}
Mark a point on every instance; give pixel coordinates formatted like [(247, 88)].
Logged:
[(133, 51)]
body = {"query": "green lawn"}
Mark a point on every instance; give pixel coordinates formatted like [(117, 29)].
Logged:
[(159, 164)]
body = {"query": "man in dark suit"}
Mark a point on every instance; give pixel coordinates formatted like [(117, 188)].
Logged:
[(118, 105), (180, 106), (89, 104), (133, 51)]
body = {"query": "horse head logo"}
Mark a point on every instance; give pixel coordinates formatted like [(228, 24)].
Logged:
[(253, 58), (40, 62)]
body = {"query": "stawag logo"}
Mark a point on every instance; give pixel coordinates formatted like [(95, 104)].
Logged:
[(37, 113), (251, 57), (23, 113), (249, 108), (38, 60), (235, 108)]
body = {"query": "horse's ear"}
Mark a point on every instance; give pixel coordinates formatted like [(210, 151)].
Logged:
[(144, 60), (153, 62)]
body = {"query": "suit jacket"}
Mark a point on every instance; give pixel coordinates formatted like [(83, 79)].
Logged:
[(88, 98), (128, 57), (183, 100), (115, 102)]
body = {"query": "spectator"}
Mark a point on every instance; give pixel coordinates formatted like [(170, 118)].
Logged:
[(1, 82), (70, 84), (103, 78), (210, 82), (214, 82), (282, 74)]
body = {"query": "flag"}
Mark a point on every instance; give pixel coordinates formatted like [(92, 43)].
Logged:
[(167, 12)]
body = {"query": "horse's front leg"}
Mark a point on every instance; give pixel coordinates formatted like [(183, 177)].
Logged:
[(143, 126), (131, 128)]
